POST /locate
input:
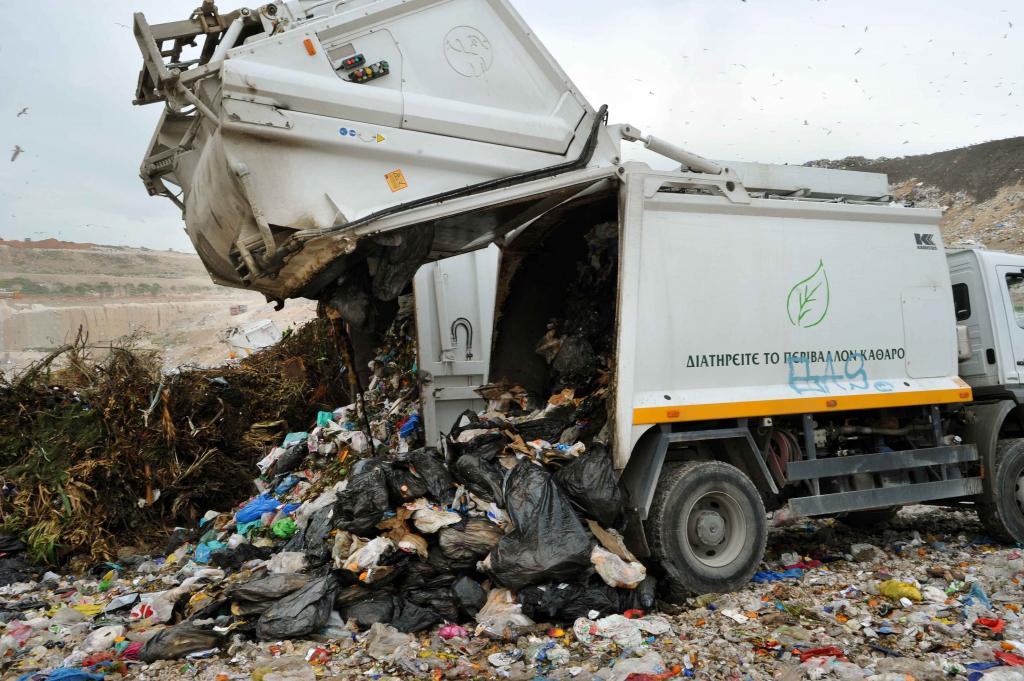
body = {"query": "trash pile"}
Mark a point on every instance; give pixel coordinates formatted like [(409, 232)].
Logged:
[(927, 599), (99, 449)]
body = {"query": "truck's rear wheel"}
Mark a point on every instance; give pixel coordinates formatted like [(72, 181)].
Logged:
[(1002, 511), (707, 528)]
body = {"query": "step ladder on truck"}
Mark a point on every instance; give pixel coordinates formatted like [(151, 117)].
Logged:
[(786, 337)]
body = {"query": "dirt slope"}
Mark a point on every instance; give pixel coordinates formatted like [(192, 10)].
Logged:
[(980, 189)]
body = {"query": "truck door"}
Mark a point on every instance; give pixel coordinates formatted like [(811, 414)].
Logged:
[(1011, 282), (454, 318)]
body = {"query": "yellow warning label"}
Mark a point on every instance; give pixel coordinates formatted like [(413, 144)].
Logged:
[(396, 180), (380, 138)]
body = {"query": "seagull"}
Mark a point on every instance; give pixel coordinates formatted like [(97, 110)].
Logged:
[(121, 25), (23, 112), (18, 151), (859, 50)]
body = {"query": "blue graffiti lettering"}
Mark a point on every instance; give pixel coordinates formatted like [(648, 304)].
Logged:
[(803, 379)]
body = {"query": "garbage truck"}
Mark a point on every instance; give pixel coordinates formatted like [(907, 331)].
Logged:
[(786, 339)]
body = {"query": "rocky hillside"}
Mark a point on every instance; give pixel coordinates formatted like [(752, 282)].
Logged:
[(980, 189)]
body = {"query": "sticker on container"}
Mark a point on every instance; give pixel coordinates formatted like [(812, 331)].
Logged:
[(396, 180)]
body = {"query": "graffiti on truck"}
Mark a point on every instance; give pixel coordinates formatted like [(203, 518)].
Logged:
[(805, 379)]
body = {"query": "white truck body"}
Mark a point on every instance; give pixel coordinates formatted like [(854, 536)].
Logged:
[(776, 307)]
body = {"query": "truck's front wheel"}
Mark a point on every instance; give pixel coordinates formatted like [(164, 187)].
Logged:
[(707, 527), (1002, 511)]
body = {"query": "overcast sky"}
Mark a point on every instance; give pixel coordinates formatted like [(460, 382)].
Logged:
[(758, 80)]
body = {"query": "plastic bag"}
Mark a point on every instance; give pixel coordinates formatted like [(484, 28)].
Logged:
[(439, 599), (178, 641), (895, 590), (548, 426), (469, 596), (312, 539), (641, 598), (287, 562), (266, 590), (370, 555), (403, 484), (430, 519), (429, 465), (548, 542), (477, 466), (366, 613), (411, 618), (590, 483), (284, 528), (466, 543), (101, 639), (255, 509), (383, 641), (304, 612), (501, 616), (616, 572), (564, 603), (360, 507)]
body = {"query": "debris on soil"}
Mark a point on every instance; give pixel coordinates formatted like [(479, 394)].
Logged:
[(102, 450)]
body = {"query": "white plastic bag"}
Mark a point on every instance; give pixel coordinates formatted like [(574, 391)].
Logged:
[(430, 519), (616, 572), (501, 615), (370, 555), (287, 562)]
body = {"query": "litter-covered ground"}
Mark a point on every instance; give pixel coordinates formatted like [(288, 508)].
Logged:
[(927, 598)]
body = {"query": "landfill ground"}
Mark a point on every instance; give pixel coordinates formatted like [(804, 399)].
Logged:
[(960, 619)]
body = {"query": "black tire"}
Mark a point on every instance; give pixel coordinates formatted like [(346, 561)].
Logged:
[(1002, 511), (684, 523), (868, 520)]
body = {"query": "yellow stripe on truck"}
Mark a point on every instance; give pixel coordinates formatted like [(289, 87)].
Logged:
[(798, 405)]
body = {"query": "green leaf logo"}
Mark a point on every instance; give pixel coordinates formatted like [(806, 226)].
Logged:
[(808, 301)]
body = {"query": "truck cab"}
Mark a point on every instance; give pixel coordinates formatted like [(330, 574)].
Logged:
[(988, 297)]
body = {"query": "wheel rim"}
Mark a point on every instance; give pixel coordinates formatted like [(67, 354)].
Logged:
[(714, 529), (1018, 491)]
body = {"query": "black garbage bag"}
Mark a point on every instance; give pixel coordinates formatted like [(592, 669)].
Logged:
[(468, 541), (351, 595), (469, 596), (233, 559), (429, 465), (370, 611), (403, 484), (16, 569), (548, 427), (267, 589), (180, 536), (564, 603), (178, 641), (478, 469), (411, 618), (366, 465), (592, 486), (427, 574), (548, 542), (293, 456), (312, 539), (469, 420), (303, 612), (439, 599), (12, 545), (643, 597), (360, 507)]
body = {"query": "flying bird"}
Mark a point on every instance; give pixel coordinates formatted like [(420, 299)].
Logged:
[(18, 151), (859, 50), (23, 112)]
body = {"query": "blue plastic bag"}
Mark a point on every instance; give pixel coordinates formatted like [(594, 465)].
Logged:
[(203, 551), (255, 509), (286, 485), (292, 438), (410, 426), (766, 576)]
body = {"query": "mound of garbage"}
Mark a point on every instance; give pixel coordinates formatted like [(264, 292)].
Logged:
[(99, 449)]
